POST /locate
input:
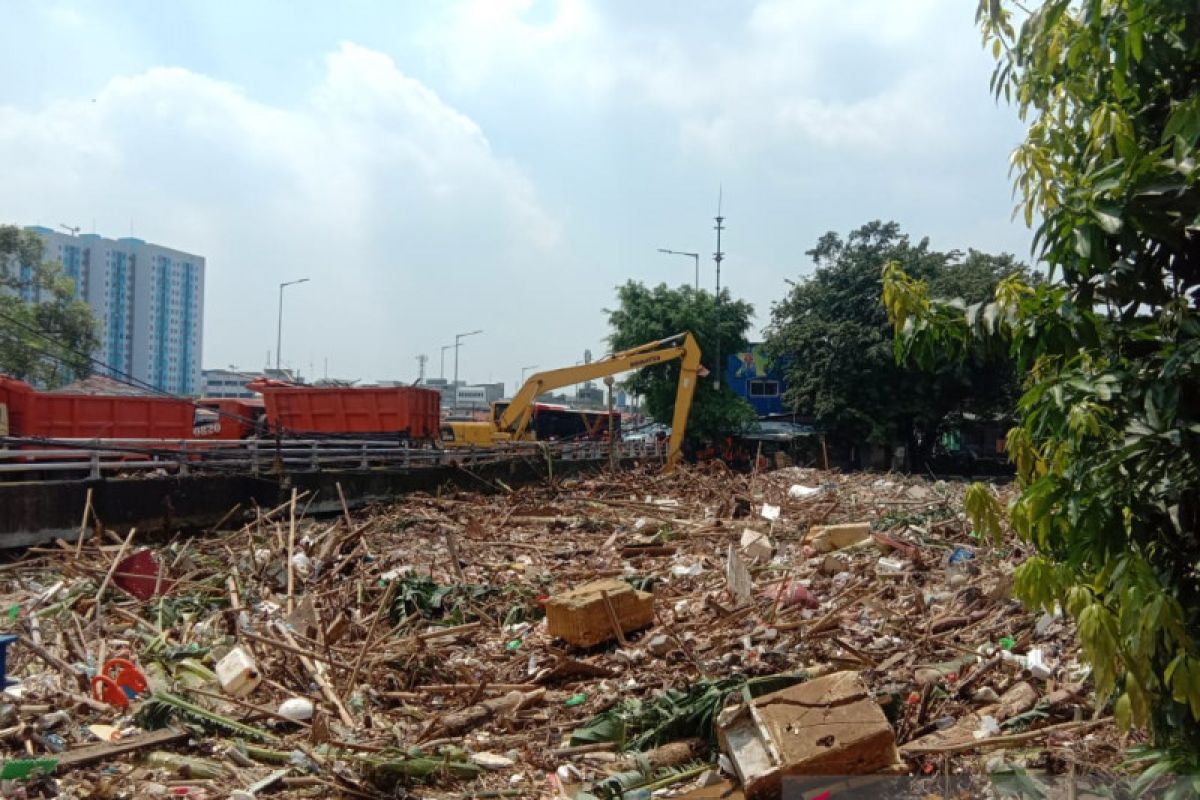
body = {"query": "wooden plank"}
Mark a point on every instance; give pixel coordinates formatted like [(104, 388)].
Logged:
[(93, 753)]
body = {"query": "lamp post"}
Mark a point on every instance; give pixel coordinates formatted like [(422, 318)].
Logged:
[(458, 337), (445, 347), (279, 323), (523, 371), (694, 256)]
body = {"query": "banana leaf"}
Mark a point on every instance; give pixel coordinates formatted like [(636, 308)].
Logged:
[(674, 714), (386, 768), (161, 708), (615, 786)]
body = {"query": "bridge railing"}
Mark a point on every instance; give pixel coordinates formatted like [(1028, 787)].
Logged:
[(94, 458)]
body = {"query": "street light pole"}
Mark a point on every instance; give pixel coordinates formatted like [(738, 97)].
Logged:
[(694, 256), (279, 322), (445, 347), (458, 337)]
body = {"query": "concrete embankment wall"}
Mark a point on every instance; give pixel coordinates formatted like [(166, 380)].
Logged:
[(37, 512)]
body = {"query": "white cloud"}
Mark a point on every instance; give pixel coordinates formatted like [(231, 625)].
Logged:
[(562, 41), (395, 194), (860, 76), (880, 125), (879, 22), (383, 194)]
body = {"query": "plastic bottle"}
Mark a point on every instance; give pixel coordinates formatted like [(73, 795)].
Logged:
[(958, 568), (193, 768), (54, 743)]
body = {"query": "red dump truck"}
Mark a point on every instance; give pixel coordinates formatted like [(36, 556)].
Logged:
[(230, 417), (404, 412), (63, 415), (394, 413)]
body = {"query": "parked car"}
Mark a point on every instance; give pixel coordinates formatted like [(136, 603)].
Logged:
[(799, 442), (647, 433)]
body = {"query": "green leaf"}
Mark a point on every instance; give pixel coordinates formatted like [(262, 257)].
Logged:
[(983, 509), (674, 714), (1017, 782), (1083, 245), (1136, 32), (1150, 775), (1109, 217), (1123, 712), (1184, 121), (604, 728)]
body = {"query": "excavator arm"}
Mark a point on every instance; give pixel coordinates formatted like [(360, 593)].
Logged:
[(516, 417)]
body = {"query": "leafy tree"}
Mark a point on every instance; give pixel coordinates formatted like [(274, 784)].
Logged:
[(1107, 448), (836, 342), (45, 333), (647, 314)]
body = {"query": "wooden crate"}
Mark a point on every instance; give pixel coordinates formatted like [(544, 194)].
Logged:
[(579, 616), (827, 726)]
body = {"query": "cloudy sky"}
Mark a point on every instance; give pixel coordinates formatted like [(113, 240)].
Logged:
[(499, 164)]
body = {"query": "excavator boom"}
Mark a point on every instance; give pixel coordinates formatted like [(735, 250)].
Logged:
[(515, 419)]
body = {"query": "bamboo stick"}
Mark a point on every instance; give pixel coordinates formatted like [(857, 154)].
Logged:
[(318, 675), (107, 578), (87, 509), (291, 551), (383, 607)]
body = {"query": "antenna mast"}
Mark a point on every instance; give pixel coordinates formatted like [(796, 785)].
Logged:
[(718, 257)]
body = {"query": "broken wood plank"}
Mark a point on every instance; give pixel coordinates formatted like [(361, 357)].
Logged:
[(84, 756), (1003, 741)]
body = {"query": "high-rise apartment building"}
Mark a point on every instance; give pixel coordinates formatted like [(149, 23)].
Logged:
[(148, 301)]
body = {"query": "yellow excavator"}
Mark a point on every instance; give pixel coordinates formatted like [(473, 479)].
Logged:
[(510, 419)]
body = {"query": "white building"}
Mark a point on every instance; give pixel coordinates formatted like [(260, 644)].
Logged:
[(471, 397), (477, 396), (227, 383), (148, 301), (232, 382)]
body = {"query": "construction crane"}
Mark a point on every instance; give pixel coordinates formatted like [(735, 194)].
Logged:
[(510, 420)]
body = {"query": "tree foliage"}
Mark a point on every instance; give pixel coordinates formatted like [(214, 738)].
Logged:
[(646, 314), (46, 335), (1107, 448), (836, 343)]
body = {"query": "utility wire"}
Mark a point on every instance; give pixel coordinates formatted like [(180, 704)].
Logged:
[(76, 445), (129, 380), (117, 375)]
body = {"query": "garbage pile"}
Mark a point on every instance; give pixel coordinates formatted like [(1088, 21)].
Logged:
[(609, 636)]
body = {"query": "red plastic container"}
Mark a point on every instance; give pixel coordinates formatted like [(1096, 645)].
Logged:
[(143, 576), (406, 412), (61, 415)]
